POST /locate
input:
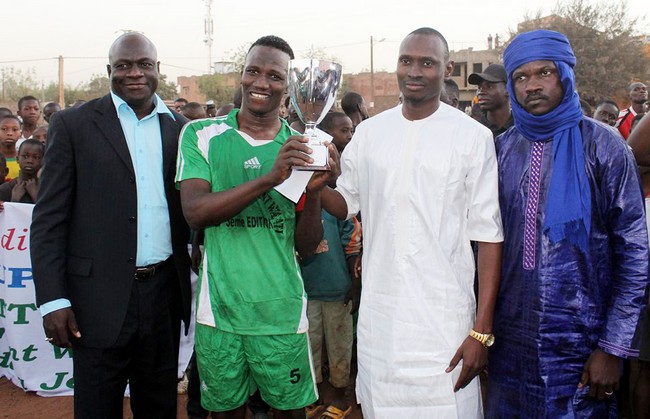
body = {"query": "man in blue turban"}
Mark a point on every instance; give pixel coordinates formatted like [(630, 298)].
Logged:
[(575, 262)]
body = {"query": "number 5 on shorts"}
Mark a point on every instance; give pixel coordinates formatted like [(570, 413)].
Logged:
[(295, 376)]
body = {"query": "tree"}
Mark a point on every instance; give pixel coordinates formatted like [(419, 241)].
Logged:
[(217, 88), (605, 41), (166, 90), (319, 53), (98, 86), (16, 84), (238, 56)]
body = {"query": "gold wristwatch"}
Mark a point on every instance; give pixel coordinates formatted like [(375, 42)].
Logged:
[(486, 339)]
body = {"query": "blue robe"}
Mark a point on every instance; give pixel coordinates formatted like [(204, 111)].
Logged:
[(548, 320)]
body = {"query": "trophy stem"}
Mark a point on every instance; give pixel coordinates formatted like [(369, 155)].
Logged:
[(310, 133)]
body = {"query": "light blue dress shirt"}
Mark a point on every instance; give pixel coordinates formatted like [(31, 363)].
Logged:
[(144, 140)]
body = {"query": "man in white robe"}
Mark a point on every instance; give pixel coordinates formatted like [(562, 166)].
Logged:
[(424, 177)]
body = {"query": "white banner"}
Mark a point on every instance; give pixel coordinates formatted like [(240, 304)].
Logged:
[(25, 357)]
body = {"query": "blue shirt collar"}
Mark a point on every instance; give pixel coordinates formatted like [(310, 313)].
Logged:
[(159, 105)]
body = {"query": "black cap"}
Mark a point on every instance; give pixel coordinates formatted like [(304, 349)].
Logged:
[(493, 73)]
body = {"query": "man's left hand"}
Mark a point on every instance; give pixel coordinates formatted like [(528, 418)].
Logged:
[(601, 373), (322, 178), (474, 357)]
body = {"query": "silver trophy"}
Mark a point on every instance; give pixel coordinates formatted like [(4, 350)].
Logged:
[(312, 85)]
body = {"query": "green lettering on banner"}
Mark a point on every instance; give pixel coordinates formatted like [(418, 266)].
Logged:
[(3, 305), (7, 358), (27, 352), (61, 352), (2, 332), (22, 312), (58, 382)]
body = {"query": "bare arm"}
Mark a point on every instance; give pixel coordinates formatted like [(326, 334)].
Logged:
[(333, 202), (473, 354), (639, 140), (489, 274), (203, 208), (309, 226)]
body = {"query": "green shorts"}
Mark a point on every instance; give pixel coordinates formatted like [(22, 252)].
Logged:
[(232, 367)]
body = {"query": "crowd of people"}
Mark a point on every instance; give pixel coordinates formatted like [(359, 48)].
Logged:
[(510, 244)]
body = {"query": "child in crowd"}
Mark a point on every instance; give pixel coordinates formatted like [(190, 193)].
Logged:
[(331, 285), (10, 132), (40, 134), (5, 112), (24, 188), (193, 110), (339, 126), (333, 289), (29, 109)]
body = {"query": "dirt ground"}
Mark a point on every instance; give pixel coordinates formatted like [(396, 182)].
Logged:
[(17, 404)]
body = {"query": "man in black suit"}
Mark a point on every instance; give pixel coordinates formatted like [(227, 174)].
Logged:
[(109, 241)]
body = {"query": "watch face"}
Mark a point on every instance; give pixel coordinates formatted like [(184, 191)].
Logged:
[(490, 341)]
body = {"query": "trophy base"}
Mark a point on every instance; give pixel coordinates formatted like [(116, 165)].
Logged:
[(311, 168), (320, 154)]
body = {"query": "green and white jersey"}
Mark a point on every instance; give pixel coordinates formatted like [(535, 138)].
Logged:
[(250, 281)]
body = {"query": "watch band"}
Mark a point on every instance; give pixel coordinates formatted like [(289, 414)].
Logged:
[(486, 339)]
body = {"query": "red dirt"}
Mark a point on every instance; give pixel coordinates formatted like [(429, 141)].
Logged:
[(18, 404)]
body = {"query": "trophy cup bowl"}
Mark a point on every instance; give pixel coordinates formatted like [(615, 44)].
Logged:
[(313, 85)]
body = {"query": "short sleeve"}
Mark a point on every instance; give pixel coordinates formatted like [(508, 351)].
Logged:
[(192, 162), (348, 183), (484, 214)]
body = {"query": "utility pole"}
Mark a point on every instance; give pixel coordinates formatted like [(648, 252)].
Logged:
[(209, 32), (372, 70), (61, 91), (372, 75)]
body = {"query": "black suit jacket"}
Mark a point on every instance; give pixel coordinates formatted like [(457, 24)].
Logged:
[(83, 233)]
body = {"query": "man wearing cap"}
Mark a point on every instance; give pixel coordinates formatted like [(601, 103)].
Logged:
[(575, 260), (493, 98), (210, 108)]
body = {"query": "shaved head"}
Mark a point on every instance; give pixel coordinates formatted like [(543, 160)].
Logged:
[(127, 39)]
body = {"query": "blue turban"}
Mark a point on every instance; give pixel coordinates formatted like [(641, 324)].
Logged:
[(568, 205)]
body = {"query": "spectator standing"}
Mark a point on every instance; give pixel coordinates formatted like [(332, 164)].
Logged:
[(193, 110), (639, 140), (451, 94), (354, 106), (109, 242), (638, 95), (10, 133), (606, 112), (575, 265), (49, 109), (29, 110), (24, 188), (493, 98), (179, 104)]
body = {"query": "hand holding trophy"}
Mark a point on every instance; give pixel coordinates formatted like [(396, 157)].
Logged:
[(313, 85)]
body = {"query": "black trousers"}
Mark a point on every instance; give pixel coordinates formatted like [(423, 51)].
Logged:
[(145, 356)]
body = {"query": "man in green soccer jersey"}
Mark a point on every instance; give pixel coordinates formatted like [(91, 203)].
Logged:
[(251, 310)]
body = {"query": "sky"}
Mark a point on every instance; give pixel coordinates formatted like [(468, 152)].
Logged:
[(36, 32)]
